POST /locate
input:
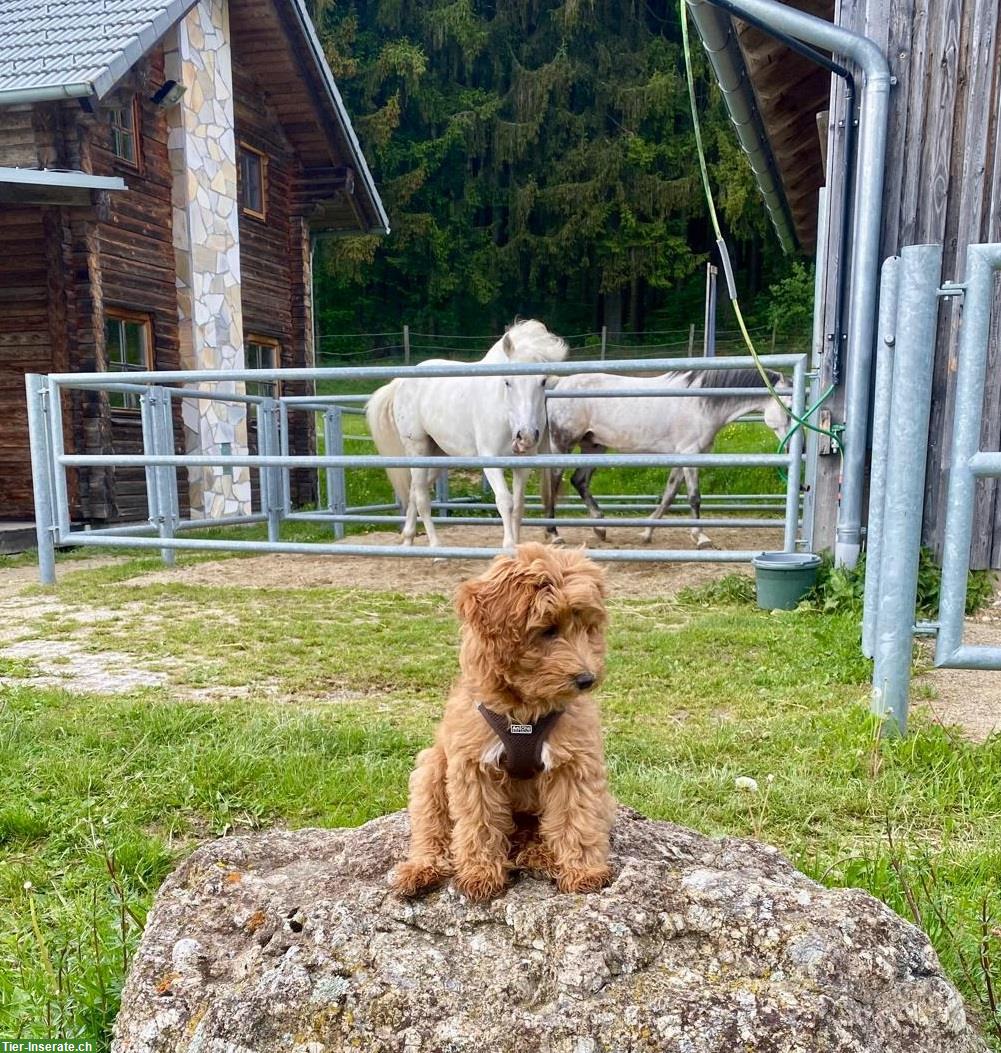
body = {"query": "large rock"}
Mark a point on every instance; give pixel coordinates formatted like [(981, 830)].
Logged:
[(290, 941)]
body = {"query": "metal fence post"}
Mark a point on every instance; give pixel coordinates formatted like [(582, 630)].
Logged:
[(267, 437), (333, 438), (907, 450), (166, 476), (283, 444), (795, 459), (441, 491), (59, 489), (148, 420), (882, 396), (41, 476), (974, 343)]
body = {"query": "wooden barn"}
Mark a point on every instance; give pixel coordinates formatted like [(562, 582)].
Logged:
[(165, 166), (941, 184)]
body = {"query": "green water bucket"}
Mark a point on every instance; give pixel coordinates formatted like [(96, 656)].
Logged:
[(784, 578)]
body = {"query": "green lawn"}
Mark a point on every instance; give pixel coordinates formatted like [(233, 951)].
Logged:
[(100, 796)]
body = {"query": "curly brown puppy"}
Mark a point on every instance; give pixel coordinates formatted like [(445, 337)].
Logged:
[(516, 777)]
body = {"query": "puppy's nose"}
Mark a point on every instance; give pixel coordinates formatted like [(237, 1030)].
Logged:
[(584, 680)]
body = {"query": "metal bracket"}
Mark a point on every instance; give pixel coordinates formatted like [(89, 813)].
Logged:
[(951, 289)]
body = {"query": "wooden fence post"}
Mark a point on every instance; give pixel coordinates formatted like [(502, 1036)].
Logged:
[(406, 345)]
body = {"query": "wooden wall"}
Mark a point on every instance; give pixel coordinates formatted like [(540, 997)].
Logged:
[(63, 267), (274, 259), (25, 347), (943, 185), (135, 261)]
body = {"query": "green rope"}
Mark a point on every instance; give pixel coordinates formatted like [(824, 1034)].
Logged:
[(800, 422)]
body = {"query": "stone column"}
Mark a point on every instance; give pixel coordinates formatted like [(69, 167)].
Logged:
[(202, 146)]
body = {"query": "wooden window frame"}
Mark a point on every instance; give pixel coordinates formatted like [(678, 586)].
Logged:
[(276, 349), (133, 107), (263, 158), (145, 319)]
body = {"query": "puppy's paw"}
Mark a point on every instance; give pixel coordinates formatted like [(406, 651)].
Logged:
[(583, 879), (415, 875), (535, 856), (480, 883)]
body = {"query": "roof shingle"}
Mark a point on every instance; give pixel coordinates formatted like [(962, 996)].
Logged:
[(77, 47)]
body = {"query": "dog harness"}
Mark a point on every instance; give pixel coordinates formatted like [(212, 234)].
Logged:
[(522, 756)]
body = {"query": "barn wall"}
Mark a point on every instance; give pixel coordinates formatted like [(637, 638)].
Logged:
[(25, 347), (274, 259), (133, 265), (943, 185)]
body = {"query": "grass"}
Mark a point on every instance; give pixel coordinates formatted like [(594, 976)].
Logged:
[(102, 795)]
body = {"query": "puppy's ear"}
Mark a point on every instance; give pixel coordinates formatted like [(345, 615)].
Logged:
[(467, 604), (486, 606)]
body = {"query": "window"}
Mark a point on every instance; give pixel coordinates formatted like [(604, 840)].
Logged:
[(262, 352), (124, 140), (128, 343), (253, 174)]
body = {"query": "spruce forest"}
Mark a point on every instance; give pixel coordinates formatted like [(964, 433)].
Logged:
[(537, 158)]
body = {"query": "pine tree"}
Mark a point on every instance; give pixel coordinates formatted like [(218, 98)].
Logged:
[(535, 156)]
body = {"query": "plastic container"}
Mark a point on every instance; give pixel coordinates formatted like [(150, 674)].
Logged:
[(784, 578)]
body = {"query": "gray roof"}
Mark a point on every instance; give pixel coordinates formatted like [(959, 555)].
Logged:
[(51, 49), (56, 49)]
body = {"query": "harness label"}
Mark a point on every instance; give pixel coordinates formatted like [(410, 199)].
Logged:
[(521, 729)]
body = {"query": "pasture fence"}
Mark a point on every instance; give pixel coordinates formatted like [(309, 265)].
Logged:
[(274, 461), (412, 346)]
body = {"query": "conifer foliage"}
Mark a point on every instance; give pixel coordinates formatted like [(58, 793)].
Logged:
[(535, 156)]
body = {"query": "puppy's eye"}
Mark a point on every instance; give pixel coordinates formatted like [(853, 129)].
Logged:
[(550, 633)]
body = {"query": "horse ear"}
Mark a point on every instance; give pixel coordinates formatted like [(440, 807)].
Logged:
[(508, 345)]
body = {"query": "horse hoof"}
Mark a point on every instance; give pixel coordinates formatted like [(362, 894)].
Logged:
[(601, 535), (646, 538), (438, 561), (706, 543), (556, 540)]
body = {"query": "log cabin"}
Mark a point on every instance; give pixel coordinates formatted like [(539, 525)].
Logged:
[(165, 168), (800, 125)]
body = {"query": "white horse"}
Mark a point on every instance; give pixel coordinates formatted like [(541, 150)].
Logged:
[(658, 424), (466, 416)]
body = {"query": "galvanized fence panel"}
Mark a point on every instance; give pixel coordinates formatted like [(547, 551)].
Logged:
[(274, 461)]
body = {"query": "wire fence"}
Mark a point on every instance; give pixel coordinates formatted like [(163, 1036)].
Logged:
[(412, 346)]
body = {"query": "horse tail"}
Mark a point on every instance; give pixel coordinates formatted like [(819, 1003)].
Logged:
[(382, 426)]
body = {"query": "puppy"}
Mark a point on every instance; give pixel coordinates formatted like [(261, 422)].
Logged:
[(516, 777)]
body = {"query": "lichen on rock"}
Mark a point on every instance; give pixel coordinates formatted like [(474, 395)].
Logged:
[(290, 940)]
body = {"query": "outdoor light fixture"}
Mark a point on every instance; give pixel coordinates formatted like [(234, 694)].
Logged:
[(168, 94)]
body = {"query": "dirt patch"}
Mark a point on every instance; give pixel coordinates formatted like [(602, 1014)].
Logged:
[(418, 576), (969, 698)]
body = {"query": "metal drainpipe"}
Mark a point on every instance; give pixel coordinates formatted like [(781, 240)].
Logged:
[(874, 117)]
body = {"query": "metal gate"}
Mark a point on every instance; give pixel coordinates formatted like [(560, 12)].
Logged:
[(156, 391), (909, 297)]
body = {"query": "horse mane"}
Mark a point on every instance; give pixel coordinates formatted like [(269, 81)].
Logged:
[(533, 342), (737, 378)]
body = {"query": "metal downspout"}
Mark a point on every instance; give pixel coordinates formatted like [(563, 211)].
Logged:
[(874, 117), (727, 61)]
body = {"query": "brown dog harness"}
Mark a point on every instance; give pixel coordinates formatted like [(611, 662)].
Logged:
[(522, 756)]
